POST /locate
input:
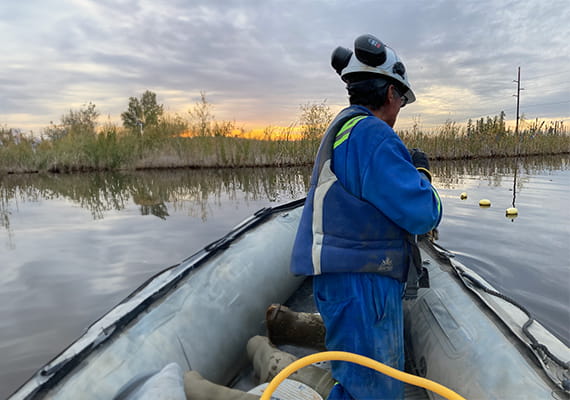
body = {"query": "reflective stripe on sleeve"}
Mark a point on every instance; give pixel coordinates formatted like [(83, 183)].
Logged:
[(438, 202), (344, 132)]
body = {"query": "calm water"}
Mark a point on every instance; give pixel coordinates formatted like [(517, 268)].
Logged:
[(71, 247)]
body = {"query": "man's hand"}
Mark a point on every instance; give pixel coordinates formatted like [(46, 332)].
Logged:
[(421, 162)]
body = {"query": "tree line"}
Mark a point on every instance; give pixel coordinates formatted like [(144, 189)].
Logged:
[(141, 112), (145, 112)]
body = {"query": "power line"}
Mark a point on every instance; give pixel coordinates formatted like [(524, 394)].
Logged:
[(549, 74), (525, 106), (538, 81), (547, 104), (550, 88)]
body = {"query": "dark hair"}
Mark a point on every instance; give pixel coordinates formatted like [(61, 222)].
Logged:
[(368, 90), (369, 93)]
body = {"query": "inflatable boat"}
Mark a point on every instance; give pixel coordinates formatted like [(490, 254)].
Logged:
[(200, 314)]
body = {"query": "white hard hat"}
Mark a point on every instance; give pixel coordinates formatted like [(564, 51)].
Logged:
[(373, 57)]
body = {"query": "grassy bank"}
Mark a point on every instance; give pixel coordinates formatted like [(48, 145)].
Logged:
[(168, 145), (489, 139), (127, 151)]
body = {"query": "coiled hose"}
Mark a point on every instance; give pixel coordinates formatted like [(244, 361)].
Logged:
[(361, 360)]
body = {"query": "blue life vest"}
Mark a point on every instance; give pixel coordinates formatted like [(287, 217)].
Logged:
[(339, 232)]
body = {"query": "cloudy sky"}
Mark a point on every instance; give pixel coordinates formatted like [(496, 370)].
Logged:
[(259, 60)]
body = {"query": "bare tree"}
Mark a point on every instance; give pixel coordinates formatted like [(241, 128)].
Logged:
[(315, 118), (202, 117)]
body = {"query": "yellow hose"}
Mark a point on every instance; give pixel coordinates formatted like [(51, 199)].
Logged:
[(361, 360)]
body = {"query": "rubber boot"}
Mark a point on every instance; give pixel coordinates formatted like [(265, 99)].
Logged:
[(285, 326), (268, 361), (198, 388)]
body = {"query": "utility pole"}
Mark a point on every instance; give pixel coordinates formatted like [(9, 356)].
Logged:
[(518, 95), (518, 139)]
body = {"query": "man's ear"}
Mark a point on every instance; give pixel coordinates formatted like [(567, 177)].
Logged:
[(391, 93)]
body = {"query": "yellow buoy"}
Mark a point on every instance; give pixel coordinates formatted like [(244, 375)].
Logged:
[(463, 196), (485, 203), (512, 212)]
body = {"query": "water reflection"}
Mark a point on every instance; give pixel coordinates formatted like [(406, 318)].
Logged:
[(152, 191), (455, 173), (155, 191), (525, 257), (512, 213)]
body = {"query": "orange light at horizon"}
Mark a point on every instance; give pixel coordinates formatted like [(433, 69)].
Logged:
[(271, 133), (267, 133)]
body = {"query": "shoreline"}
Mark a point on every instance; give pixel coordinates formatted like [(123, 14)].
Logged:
[(89, 169)]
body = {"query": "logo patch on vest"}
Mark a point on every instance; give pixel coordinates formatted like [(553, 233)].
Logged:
[(386, 265)]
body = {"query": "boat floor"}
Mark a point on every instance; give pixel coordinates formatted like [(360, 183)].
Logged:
[(302, 301)]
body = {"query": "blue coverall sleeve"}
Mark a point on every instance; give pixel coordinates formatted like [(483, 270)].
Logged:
[(393, 184)]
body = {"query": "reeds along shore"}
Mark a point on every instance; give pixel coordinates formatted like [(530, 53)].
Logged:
[(169, 145)]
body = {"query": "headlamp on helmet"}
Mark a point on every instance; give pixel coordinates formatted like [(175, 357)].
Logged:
[(340, 58), (370, 50)]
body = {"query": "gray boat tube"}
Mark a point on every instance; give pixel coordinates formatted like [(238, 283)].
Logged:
[(466, 336), (198, 314)]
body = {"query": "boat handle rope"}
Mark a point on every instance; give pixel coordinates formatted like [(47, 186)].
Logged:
[(535, 344), (361, 360)]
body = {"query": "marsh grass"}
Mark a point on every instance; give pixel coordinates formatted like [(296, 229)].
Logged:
[(490, 139), (171, 144)]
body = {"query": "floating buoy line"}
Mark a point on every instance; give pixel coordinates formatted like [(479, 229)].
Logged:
[(511, 212)]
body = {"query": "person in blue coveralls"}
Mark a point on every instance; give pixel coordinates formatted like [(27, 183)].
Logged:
[(368, 197)]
